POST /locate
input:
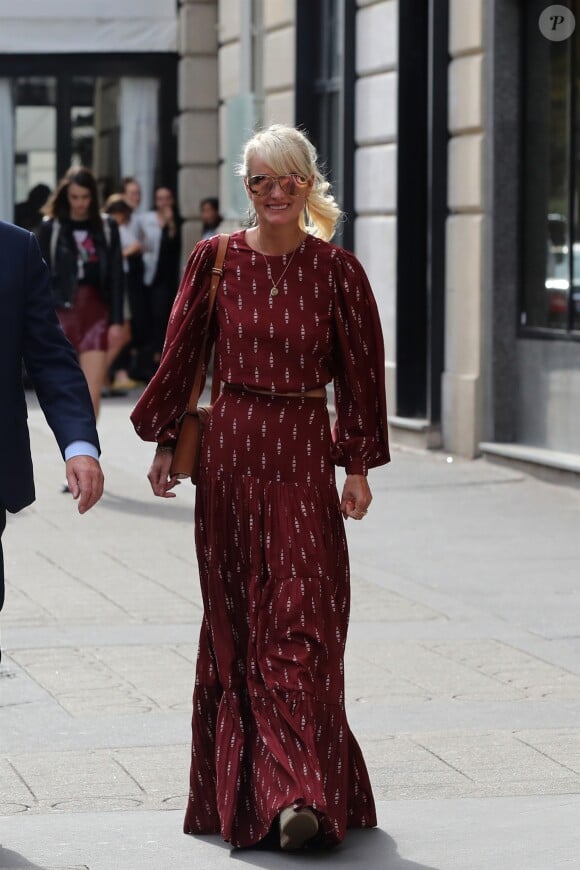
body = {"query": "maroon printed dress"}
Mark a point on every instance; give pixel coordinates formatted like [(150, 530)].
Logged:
[(269, 722)]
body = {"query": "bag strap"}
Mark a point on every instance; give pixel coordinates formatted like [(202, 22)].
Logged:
[(106, 229), (217, 272), (55, 230)]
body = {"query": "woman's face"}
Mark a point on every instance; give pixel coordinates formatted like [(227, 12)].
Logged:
[(79, 200), (209, 215), (163, 199), (120, 217), (133, 194), (276, 208)]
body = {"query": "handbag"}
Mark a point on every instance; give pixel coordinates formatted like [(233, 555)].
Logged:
[(186, 456)]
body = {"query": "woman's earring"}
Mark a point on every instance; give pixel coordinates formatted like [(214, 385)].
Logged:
[(306, 214)]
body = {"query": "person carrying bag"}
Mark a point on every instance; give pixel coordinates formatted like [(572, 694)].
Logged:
[(186, 454)]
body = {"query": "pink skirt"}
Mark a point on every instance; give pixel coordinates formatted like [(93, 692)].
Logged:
[(86, 324), (269, 722)]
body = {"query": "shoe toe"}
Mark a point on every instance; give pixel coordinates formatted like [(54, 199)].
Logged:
[(297, 827)]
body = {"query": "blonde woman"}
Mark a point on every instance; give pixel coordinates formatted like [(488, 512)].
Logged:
[(272, 750)]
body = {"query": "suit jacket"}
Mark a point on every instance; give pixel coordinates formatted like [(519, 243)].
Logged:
[(30, 333)]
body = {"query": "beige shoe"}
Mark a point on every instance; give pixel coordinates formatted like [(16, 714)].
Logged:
[(297, 827)]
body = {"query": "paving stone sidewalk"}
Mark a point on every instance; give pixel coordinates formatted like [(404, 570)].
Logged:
[(463, 670)]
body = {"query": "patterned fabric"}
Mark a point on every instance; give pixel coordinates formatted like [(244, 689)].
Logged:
[(269, 724), (323, 326)]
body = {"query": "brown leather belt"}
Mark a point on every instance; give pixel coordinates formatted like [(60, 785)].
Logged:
[(315, 393)]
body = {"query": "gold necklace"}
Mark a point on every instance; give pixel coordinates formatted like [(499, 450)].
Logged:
[(274, 288)]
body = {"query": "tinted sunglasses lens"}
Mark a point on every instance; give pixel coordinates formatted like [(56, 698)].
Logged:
[(292, 184), (260, 184), (288, 184)]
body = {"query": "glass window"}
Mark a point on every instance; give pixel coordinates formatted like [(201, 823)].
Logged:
[(324, 102), (65, 120), (328, 88), (35, 147), (551, 272)]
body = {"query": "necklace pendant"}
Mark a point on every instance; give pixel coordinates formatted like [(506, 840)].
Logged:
[(274, 291)]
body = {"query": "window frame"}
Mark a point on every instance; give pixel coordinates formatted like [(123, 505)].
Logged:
[(549, 333)]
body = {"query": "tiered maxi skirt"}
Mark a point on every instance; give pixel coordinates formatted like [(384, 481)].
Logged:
[(269, 723)]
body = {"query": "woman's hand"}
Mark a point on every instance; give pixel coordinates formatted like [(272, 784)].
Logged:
[(132, 249), (162, 482), (356, 497)]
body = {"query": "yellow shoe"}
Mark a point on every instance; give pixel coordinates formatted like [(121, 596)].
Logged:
[(296, 828), (123, 386)]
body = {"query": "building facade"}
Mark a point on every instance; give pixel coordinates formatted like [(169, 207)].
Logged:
[(448, 128), (87, 83)]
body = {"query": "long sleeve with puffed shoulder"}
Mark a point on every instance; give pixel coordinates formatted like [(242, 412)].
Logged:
[(360, 432), (164, 401)]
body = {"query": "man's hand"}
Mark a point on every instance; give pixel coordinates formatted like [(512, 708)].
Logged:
[(85, 480), (356, 497)]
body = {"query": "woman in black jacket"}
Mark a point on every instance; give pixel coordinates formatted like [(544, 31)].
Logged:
[(83, 252)]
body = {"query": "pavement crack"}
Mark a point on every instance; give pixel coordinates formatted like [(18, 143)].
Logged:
[(84, 583), (129, 774), (439, 758), (153, 580), (125, 682), (22, 780), (18, 704), (538, 658), (545, 754), (33, 601)]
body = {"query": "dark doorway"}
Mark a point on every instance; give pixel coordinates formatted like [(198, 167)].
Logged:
[(421, 206)]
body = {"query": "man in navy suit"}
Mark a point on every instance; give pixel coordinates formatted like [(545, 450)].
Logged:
[(30, 333)]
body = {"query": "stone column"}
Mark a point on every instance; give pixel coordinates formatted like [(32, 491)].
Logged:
[(198, 111), (278, 60), (375, 229), (464, 322)]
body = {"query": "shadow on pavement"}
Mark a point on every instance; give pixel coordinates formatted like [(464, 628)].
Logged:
[(372, 849), (123, 504), (10, 860)]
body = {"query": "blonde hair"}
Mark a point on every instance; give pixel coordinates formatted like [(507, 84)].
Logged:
[(287, 149)]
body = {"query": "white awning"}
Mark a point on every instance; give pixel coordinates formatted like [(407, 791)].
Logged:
[(87, 26)]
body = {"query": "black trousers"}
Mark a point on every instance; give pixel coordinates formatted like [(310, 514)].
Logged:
[(150, 310), (2, 527)]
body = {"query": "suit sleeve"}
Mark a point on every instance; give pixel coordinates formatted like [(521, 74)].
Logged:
[(51, 362)]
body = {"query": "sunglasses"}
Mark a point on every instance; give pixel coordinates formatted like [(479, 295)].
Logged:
[(292, 184)]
